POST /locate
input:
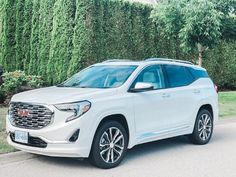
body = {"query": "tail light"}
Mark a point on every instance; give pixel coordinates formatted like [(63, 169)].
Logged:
[(216, 88)]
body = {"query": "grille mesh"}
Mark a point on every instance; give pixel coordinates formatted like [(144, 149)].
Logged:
[(30, 116)]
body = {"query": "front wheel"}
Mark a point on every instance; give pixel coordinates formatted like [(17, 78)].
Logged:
[(109, 145), (203, 128)]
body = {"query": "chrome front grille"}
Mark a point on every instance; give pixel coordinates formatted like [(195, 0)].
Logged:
[(30, 116)]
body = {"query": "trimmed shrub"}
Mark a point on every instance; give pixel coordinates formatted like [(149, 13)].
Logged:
[(18, 81)]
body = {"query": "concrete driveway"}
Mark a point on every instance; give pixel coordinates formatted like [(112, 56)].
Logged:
[(169, 158)]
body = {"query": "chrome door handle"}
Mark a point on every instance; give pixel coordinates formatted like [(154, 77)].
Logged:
[(165, 95), (196, 91)]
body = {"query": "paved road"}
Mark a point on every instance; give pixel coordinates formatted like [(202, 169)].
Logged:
[(168, 158)]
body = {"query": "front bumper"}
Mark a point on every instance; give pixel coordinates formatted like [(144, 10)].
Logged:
[(53, 149), (56, 137)]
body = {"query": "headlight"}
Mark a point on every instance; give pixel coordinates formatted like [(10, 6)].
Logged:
[(78, 108)]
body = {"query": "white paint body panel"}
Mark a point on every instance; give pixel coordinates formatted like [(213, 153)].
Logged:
[(150, 115)]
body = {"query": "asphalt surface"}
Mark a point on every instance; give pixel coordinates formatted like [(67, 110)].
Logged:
[(174, 157)]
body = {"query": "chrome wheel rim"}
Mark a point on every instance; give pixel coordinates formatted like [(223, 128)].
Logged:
[(111, 145), (204, 127)]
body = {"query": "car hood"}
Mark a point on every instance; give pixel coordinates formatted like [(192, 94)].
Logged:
[(56, 95)]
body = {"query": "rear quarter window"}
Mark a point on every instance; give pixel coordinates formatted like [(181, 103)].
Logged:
[(178, 76), (198, 73)]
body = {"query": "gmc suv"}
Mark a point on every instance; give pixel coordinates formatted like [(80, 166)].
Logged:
[(112, 106)]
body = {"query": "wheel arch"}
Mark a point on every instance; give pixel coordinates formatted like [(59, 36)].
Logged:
[(118, 118), (207, 107)]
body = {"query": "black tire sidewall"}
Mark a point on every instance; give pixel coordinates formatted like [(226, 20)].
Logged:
[(195, 135), (95, 157)]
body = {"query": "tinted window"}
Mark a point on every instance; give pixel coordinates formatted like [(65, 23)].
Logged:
[(198, 73), (178, 76), (152, 75)]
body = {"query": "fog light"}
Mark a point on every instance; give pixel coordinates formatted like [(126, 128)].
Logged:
[(75, 136)]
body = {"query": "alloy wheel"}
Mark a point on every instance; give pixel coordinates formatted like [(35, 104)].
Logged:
[(204, 127), (111, 145)]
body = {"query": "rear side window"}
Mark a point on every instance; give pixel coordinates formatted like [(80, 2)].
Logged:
[(198, 73), (178, 76)]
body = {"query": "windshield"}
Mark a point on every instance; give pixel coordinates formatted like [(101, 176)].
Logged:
[(103, 76)]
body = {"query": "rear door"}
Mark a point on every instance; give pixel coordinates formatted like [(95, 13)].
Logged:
[(180, 97)]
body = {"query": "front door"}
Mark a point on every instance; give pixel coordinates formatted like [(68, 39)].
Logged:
[(150, 106)]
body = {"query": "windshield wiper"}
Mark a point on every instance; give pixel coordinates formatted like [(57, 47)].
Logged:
[(62, 85)]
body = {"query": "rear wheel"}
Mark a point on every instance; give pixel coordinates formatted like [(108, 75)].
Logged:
[(203, 128), (109, 145)]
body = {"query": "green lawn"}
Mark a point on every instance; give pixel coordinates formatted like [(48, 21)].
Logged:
[(4, 147), (227, 103)]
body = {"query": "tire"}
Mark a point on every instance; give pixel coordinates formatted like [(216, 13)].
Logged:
[(203, 128), (109, 145)]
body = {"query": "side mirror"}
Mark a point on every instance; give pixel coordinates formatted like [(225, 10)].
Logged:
[(141, 87)]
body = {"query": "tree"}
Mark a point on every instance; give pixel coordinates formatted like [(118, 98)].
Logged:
[(81, 37), (45, 30), (196, 23), (61, 40), (27, 32), (8, 36), (1, 27), (19, 34), (169, 19), (34, 39), (202, 26), (228, 9)]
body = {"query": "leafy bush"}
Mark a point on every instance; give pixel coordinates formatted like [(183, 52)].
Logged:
[(34, 81), (13, 80), (18, 81)]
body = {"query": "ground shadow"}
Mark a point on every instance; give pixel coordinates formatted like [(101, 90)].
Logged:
[(137, 152)]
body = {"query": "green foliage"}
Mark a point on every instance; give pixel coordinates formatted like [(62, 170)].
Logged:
[(81, 37), (61, 42), (169, 17), (19, 33), (194, 24), (228, 9), (221, 65), (202, 24), (45, 30), (15, 81), (1, 28), (229, 27), (57, 38), (34, 39), (27, 14), (8, 35)]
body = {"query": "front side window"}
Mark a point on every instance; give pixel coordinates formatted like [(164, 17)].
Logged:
[(178, 76), (102, 76), (152, 75)]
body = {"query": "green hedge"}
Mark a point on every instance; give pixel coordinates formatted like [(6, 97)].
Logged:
[(57, 38), (221, 64)]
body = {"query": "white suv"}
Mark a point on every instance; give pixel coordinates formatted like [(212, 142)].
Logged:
[(112, 106)]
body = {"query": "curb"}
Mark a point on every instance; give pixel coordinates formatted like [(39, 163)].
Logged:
[(15, 157)]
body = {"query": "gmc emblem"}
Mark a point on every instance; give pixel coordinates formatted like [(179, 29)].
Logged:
[(22, 112)]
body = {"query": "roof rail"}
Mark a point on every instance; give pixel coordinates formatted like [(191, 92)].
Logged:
[(116, 60), (171, 60)]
